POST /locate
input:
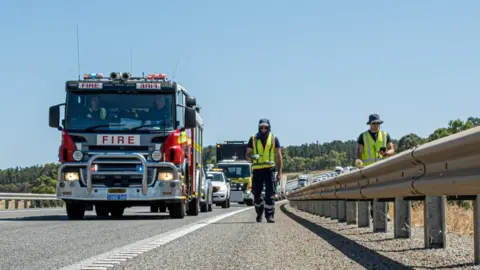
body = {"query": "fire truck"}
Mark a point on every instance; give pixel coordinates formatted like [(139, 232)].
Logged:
[(130, 141), (231, 158)]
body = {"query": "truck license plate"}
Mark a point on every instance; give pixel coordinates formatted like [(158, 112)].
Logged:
[(116, 197)]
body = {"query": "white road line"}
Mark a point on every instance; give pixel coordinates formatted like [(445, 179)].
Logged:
[(122, 254)]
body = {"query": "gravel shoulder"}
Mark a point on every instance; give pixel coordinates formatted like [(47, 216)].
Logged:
[(299, 240)]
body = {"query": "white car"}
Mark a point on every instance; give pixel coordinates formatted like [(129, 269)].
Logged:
[(221, 188)]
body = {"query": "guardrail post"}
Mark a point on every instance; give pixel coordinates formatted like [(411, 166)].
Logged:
[(25, 204), (363, 214), (333, 209), (342, 211), (351, 209), (16, 204), (55, 203), (476, 229), (402, 218), (326, 209), (40, 203), (380, 222), (7, 202), (435, 226)]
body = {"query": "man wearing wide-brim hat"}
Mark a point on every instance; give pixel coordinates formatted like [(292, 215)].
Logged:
[(373, 145)]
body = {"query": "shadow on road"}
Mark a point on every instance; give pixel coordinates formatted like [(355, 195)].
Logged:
[(64, 217), (366, 257)]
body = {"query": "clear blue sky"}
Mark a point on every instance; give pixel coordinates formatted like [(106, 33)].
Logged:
[(315, 69)]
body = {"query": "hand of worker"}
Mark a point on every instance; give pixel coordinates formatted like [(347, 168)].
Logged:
[(383, 153), (256, 156), (279, 176)]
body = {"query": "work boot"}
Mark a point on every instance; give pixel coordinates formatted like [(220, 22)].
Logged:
[(259, 218), (270, 220)]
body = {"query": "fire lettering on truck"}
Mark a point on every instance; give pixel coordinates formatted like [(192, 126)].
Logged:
[(118, 139), (90, 85), (149, 86)]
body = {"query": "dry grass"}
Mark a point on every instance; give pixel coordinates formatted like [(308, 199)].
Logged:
[(459, 219), (11, 205)]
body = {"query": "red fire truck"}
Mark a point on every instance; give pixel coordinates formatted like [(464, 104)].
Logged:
[(130, 141)]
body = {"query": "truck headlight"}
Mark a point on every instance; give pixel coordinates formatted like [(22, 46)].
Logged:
[(71, 176), (222, 188), (165, 176), (156, 155), (77, 155)]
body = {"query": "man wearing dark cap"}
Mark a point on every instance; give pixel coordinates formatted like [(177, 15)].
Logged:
[(373, 145), (263, 150)]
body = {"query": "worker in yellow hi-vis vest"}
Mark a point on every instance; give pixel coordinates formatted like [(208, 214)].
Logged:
[(263, 150), (95, 111), (373, 145)]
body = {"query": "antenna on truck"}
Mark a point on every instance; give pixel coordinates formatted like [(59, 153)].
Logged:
[(131, 61), (78, 53), (175, 70)]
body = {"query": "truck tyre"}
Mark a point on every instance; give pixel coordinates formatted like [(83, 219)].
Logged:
[(210, 207), (193, 207), (101, 210), (75, 211), (249, 203), (117, 211), (204, 207), (153, 208), (163, 208), (177, 210)]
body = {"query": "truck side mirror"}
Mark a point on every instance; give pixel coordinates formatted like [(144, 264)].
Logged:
[(191, 101), (54, 116), (190, 118)]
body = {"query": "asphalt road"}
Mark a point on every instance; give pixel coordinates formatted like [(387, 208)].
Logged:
[(222, 239), (46, 239)]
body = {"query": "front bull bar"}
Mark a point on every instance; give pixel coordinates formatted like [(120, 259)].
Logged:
[(139, 157)]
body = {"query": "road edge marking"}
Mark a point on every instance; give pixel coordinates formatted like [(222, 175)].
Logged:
[(123, 254)]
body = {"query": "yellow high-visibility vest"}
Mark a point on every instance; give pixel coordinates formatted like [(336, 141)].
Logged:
[(267, 155), (370, 153)]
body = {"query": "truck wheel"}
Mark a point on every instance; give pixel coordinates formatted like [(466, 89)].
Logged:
[(101, 210), (225, 204), (153, 208), (210, 207), (117, 211), (249, 202), (204, 207), (177, 210), (194, 207), (163, 208), (75, 211)]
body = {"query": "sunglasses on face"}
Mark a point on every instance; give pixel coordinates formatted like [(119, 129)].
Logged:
[(263, 127)]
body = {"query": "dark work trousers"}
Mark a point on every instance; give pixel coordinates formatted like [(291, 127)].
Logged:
[(264, 177)]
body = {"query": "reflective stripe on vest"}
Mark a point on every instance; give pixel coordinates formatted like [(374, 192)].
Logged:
[(266, 156), (370, 153)]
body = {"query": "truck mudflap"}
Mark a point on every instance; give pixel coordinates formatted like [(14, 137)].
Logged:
[(84, 189)]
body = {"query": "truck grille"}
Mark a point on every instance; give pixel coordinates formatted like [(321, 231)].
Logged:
[(118, 180), (237, 186)]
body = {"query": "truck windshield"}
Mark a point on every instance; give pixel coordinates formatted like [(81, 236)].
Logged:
[(113, 111), (235, 170)]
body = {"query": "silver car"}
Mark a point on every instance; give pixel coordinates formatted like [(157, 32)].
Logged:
[(221, 188)]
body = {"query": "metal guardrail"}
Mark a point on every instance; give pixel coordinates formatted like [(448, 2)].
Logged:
[(37, 200), (444, 169)]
